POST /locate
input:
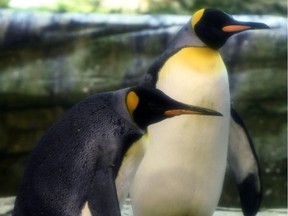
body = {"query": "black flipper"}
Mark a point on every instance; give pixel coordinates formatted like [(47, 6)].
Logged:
[(243, 161), (103, 200)]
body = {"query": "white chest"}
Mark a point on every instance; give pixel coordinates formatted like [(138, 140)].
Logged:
[(184, 166), (193, 139)]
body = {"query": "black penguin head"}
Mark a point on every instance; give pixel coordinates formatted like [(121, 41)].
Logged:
[(148, 105), (214, 27)]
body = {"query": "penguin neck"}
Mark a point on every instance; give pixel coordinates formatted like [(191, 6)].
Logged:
[(199, 60), (187, 49), (186, 37)]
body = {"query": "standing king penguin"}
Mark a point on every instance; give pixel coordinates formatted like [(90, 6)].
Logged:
[(183, 168), (74, 165)]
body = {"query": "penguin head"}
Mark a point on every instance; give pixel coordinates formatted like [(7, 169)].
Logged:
[(148, 105), (214, 27)]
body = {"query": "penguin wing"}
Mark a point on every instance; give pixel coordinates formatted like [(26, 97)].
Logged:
[(102, 199), (242, 159)]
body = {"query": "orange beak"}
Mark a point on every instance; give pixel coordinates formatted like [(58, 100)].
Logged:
[(235, 28)]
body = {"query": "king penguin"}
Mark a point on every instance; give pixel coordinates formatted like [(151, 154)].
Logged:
[(183, 169), (74, 165)]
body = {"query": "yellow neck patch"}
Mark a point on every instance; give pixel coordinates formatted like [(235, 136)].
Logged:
[(196, 17), (132, 101), (196, 59)]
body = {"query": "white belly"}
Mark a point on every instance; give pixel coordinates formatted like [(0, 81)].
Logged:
[(183, 169)]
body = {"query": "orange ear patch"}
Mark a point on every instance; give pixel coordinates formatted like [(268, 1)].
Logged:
[(196, 17), (132, 101)]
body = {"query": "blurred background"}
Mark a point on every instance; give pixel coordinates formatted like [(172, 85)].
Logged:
[(54, 53)]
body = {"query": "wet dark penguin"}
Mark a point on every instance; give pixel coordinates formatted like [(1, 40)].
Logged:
[(77, 160), (185, 170)]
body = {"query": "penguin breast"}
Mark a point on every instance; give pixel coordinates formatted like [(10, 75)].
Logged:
[(196, 76)]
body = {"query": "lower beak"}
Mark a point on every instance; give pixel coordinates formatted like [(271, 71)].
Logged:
[(242, 26), (192, 111)]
